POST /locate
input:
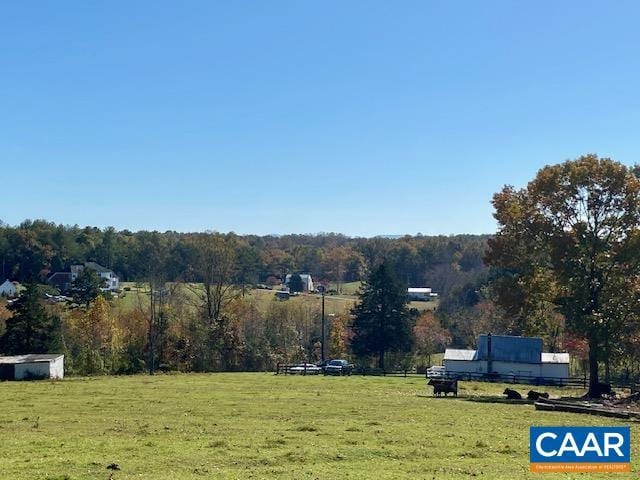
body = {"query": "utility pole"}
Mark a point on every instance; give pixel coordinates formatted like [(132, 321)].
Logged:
[(322, 356)]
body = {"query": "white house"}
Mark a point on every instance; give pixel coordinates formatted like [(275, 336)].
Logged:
[(8, 289), (111, 279), (517, 359), (20, 367), (307, 281)]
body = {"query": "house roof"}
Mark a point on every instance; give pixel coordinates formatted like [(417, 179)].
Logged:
[(555, 357), (418, 290), (456, 354), (31, 358), (57, 275), (96, 266), (509, 348)]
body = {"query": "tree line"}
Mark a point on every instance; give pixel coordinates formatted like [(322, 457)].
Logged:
[(564, 265)]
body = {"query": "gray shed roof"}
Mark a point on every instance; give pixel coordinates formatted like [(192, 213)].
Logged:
[(455, 354), (31, 358)]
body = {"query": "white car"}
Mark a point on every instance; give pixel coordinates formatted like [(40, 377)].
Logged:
[(305, 369)]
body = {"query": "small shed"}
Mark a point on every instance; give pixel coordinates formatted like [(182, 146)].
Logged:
[(32, 366)]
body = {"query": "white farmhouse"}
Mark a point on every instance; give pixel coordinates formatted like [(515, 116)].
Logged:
[(517, 359), (32, 366), (8, 289), (112, 282)]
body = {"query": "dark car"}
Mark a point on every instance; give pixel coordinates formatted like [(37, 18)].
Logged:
[(338, 367)]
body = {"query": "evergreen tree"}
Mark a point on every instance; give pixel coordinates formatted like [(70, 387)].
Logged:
[(87, 287), (295, 283), (382, 320), (30, 329)]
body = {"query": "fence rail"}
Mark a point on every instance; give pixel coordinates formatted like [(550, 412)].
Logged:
[(580, 382)]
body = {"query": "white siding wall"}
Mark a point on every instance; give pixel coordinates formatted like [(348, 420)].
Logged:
[(556, 370), (524, 370), (420, 296), (465, 366), (57, 368)]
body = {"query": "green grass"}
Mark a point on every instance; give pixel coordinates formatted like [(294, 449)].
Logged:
[(334, 304), (256, 425)]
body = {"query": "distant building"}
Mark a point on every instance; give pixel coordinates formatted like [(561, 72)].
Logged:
[(518, 359), (20, 367), (421, 294), (307, 282), (112, 281), (61, 280), (8, 289)]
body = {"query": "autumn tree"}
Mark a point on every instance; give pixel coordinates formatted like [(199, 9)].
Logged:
[(572, 236), (95, 339), (339, 261), (382, 321), (429, 336), (338, 336), (216, 268)]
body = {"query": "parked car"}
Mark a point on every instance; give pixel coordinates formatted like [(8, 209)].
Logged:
[(338, 367), (435, 372), (305, 369), (322, 364)]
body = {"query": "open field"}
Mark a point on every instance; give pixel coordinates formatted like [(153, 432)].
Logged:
[(334, 304), (257, 425)]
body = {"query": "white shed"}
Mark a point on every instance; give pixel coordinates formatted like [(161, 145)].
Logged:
[(32, 366)]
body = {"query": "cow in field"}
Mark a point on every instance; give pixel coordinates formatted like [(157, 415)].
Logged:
[(533, 395), (444, 386), (512, 394)]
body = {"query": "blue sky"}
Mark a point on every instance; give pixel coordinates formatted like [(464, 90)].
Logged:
[(262, 117)]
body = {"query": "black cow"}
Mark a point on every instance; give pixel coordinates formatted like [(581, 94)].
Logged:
[(512, 394), (444, 386), (533, 395), (602, 389)]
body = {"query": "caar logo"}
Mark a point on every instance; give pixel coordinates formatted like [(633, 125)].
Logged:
[(579, 449)]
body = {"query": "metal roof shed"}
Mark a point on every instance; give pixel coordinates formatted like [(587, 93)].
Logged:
[(32, 366)]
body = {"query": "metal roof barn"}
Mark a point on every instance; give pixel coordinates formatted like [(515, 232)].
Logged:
[(32, 366), (509, 348)]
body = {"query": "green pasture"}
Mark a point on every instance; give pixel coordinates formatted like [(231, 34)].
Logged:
[(334, 304), (258, 425)]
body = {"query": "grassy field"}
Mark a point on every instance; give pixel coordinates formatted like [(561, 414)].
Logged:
[(334, 304), (257, 425)]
